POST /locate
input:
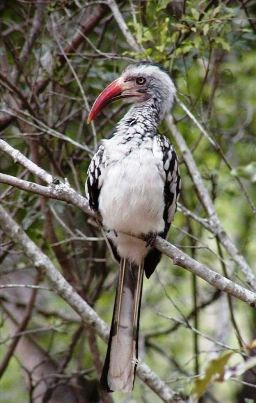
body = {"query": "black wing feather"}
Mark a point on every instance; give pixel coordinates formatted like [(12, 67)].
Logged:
[(171, 193), (94, 177), (94, 183)]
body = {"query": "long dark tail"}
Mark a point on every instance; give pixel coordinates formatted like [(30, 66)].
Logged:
[(120, 363)]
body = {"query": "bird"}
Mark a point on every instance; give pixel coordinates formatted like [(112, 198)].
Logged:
[(133, 183)]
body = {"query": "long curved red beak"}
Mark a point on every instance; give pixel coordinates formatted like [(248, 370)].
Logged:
[(109, 94)]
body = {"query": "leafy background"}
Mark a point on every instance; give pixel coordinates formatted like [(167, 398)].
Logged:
[(48, 84)]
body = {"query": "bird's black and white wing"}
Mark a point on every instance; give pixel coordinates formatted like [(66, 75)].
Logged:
[(94, 177), (169, 167), (94, 183), (172, 181)]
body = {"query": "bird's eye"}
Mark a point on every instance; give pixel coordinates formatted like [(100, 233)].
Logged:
[(140, 80)]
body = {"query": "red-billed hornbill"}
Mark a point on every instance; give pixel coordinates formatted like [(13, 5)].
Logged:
[(133, 182)]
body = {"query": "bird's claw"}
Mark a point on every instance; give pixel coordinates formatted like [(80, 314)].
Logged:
[(150, 238)]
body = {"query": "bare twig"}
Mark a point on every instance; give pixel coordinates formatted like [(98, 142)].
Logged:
[(86, 104), (64, 290), (31, 286), (172, 328), (17, 156), (87, 26), (56, 190), (207, 203), (21, 327), (66, 193), (35, 29), (122, 25), (215, 279), (218, 150)]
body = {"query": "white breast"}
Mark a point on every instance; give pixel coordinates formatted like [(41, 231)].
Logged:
[(132, 195)]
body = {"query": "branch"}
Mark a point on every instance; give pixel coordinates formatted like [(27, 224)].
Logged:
[(17, 156), (212, 277), (38, 124), (58, 191), (65, 193), (122, 25), (21, 327), (13, 89), (202, 191), (86, 27), (36, 363), (65, 291), (208, 205), (219, 150), (35, 30)]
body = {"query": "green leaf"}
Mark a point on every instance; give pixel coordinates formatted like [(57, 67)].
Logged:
[(214, 372), (148, 35), (162, 4), (216, 11), (195, 14), (223, 44)]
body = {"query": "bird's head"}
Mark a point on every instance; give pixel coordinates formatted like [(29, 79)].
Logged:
[(138, 84)]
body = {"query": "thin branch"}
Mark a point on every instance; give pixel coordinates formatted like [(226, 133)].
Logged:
[(66, 291), (204, 335), (31, 286), (20, 329), (56, 190), (218, 149), (215, 279), (35, 29), (202, 221), (66, 193), (208, 205), (47, 313), (36, 123), (98, 12), (17, 156), (15, 90), (86, 27), (172, 328), (123, 27), (86, 104), (230, 301)]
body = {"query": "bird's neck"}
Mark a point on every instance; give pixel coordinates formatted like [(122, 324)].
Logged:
[(142, 118)]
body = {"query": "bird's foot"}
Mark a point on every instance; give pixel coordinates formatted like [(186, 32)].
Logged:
[(136, 361), (150, 238)]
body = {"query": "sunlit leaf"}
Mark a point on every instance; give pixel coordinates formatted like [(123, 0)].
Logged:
[(214, 372)]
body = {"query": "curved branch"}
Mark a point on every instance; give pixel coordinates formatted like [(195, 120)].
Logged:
[(65, 193), (122, 25), (17, 156), (56, 190), (208, 205), (202, 191), (181, 259), (35, 30), (96, 14), (66, 291)]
